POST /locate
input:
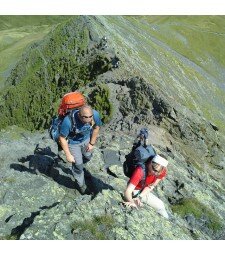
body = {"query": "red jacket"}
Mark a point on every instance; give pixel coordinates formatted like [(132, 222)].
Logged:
[(138, 175)]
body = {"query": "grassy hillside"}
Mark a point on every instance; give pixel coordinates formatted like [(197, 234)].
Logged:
[(16, 33), (198, 38), (58, 64), (16, 21), (183, 56)]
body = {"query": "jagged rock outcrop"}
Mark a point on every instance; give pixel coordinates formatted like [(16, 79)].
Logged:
[(39, 200)]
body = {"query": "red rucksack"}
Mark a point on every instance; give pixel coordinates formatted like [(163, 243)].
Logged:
[(69, 101)]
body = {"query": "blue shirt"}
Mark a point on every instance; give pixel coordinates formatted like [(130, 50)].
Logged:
[(83, 130)]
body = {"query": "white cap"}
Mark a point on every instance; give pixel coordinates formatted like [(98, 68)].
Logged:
[(160, 160)]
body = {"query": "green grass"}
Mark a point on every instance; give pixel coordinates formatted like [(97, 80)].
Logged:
[(34, 78), (16, 33), (182, 55), (99, 99), (17, 21), (11, 52), (12, 133), (8, 237), (179, 32), (7, 180), (194, 207), (99, 227), (153, 47)]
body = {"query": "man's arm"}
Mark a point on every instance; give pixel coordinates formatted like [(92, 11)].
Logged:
[(64, 144), (94, 135), (93, 138)]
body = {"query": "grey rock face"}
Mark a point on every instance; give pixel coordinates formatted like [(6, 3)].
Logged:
[(39, 200), (38, 196)]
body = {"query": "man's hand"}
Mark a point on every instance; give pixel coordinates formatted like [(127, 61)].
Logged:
[(70, 158), (89, 147)]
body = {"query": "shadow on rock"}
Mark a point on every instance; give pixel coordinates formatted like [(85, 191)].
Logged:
[(45, 162), (52, 172), (95, 184)]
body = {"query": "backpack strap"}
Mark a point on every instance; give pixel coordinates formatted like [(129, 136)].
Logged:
[(144, 170), (144, 142), (145, 173), (71, 116)]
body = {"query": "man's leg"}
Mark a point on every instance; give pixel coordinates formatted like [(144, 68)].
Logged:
[(87, 155), (77, 167), (156, 203)]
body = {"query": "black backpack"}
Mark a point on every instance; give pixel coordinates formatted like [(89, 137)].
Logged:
[(138, 156)]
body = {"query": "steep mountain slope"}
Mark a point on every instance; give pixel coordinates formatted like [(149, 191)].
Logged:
[(149, 71), (169, 52), (184, 54), (64, 61), (16, 33), (39, 202)]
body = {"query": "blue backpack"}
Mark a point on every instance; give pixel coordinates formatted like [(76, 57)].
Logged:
[(56, 122), (139, 154)]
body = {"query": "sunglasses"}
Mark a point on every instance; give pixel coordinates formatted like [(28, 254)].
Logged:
[(87, 117), (156, 168)]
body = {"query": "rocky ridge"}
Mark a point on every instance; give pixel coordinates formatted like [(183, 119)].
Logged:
[(38, 199)]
